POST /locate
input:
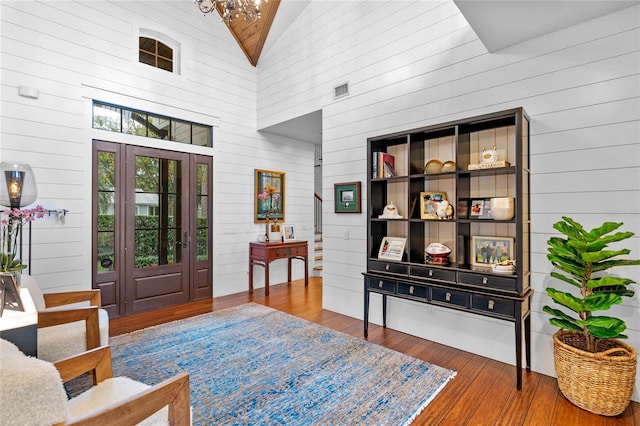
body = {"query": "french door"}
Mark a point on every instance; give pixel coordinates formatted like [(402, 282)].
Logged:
[(152, 218)]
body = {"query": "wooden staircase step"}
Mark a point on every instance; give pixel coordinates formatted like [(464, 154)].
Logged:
[(318, 258), (317, 268)]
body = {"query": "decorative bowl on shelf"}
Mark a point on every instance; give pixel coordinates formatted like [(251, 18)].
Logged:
[(433, 167), (502, 208), (448, 166)]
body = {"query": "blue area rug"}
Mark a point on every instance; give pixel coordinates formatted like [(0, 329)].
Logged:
[(253, 365)]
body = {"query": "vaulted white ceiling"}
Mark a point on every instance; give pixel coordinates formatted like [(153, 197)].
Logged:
[(498, 24)]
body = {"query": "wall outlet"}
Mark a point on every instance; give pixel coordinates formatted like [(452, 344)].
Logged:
[(346, 234)]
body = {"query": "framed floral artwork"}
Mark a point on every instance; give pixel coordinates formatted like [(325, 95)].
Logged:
[(269, 196)]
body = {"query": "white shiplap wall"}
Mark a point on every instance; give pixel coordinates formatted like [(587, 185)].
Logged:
[(73, 52), (411, 64)]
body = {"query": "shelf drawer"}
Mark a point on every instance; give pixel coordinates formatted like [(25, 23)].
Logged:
[(432, 273), (380, 284), (394, 268), (489, 281), (505, 307), (445, 296), (413, 290)]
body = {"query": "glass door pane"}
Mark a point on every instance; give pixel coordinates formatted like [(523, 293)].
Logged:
[(158, 212)]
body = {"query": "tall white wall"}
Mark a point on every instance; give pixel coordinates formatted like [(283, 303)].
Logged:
[(73, 52), (411, 64)]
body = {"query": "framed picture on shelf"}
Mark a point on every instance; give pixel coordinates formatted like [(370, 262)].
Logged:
[(480, 208), (488, 250), (392, 248), (269, 196), (429, 204), (347, 197), (289, 232), (463, 209)]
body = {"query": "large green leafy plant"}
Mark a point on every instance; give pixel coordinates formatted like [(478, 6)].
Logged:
[(583, 257)]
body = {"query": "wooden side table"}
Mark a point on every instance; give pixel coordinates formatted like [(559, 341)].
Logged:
[(261, 254)]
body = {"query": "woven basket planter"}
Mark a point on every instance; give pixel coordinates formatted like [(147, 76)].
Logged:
[(601, 382)]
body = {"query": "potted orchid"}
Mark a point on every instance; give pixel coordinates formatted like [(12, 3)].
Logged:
[(10, 228)]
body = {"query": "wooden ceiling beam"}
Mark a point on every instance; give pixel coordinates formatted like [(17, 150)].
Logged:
[(251, 36)]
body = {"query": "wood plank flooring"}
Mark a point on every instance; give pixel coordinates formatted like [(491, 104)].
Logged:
[(482, 393)]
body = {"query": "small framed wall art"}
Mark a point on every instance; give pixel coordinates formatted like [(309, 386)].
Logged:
[(486, 251), (347, 197), (392, 248)]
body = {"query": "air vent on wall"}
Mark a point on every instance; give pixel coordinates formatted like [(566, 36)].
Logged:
[(340, 91)]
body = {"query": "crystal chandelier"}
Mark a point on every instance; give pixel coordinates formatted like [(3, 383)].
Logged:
[(248, 9)]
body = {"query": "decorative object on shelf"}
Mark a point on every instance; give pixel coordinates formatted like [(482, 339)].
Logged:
[(595, 370), (486, 251), (390, 211), (17, 185), (231, 9), (433, 167), (269, 195), (489, 156), (480, 209), (289, 233), (444, 210), (347, 197), (505, 267), (429, 202), (437, 254), (392, 248), (488, 160), (502, 208), (448, 167)]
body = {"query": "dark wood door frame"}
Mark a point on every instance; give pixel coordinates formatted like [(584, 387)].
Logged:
[(126, 289)]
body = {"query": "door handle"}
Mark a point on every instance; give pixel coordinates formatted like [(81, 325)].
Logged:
[(184, 242)]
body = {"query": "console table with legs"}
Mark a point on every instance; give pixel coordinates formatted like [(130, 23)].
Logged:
[(263, 253)]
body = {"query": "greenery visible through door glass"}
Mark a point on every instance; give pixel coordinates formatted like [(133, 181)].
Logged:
[(106, 211), (202, 211), (158, 212)]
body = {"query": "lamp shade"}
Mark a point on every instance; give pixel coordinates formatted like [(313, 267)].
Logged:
[(17, 185)]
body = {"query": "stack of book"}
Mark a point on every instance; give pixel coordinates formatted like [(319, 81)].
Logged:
[(383, 165)]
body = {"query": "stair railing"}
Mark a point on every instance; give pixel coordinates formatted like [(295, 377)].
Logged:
[(317, 213)]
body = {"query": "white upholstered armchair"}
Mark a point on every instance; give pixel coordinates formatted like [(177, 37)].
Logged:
[(68, 323), (32, 393)]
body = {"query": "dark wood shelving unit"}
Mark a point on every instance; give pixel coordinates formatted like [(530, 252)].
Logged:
[(461, 285)]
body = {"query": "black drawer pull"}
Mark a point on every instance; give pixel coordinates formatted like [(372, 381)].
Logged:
[(380, 284), (447, 297), (410, 289), (490, 305)]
